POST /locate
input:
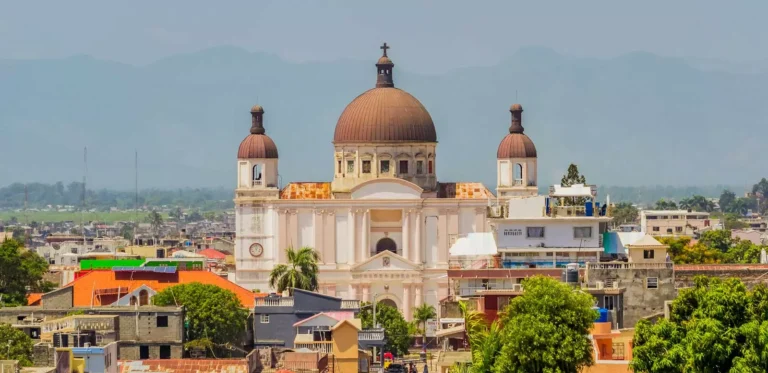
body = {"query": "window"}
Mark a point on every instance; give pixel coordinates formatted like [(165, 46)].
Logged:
[(419, 167), (350, 167), (384, 167), (651, 282), (678, 229), (535, 232), (675, 217), (608, 302), (649, 254), (669, 230), (651, 217), (513, 232), (655, 229), (582, 232), (143, 297), (338, 166), (429, 167), (264, 319), (143, 352), (74, 250), (162, 321), (165, 352), (366, 167), (404, 166)]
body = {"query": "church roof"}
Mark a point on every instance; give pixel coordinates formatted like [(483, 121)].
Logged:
[(463, 191), (384, 114), (306, 190), (257, 144), (516, 144)]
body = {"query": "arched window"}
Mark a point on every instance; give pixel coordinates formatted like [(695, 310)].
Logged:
[(257, 174), (388, 302), (134, 301), (518, 172), (386, 244), (143, 298)]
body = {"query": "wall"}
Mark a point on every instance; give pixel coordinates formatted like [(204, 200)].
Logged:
[(556, 234), (57, 299), (639, 302), (281, 319), (344, 181)]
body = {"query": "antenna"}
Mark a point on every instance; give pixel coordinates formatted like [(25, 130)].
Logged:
[(26, 199), (82, 212), (136, 190)]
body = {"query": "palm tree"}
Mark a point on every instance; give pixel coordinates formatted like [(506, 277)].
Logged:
[(421, 315), (300, 272), (475, 326)]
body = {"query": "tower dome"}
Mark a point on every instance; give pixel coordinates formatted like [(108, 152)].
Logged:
[(257, 144), (384, 114), (516, 144)]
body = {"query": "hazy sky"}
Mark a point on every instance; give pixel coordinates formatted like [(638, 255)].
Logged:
[(467, 33)]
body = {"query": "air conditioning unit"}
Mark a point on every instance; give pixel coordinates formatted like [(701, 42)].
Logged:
[(517, 287), (600, 285)]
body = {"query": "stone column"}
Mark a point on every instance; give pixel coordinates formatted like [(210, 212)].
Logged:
[(366, 293), (406, 234), (352, 291), (418, 299), (365, 246), (417, 238), (407, 302), (352, 226)]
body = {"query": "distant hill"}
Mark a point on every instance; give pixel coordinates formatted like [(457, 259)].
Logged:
[(638, 119)]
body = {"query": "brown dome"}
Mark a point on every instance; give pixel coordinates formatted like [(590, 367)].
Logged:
[(385, 115), (516, 145), (257, 144)]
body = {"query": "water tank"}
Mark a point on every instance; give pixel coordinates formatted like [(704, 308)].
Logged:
[(571, 273), (602, 315)]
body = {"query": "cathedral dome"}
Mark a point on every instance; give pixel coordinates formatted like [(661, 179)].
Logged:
[(516, 144), (385, 114), (257, 144)]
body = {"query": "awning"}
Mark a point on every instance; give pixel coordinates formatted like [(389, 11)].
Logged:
[(475, 244), (451, 331)]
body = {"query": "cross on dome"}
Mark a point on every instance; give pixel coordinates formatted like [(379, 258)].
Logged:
[(384, 47)]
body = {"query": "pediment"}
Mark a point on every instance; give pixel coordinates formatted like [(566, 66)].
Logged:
[(386, 261), (386, 188)]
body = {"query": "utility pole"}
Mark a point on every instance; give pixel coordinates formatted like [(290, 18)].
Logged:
[(82, 212)]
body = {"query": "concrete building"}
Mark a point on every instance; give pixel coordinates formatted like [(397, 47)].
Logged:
[(675, 222), (147, 332), (384, 204)]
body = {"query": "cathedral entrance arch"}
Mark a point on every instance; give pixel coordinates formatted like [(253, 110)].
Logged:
[(386, 244), (388, 302)]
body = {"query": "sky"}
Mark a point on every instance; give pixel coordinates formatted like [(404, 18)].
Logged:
[(467, 33)]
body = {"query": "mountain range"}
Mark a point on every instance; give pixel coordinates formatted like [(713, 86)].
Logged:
[(637, 119)]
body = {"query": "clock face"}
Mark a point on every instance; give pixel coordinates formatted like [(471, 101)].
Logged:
[(256, 250)]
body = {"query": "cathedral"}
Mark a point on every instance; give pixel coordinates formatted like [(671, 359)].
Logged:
[(384, 225)]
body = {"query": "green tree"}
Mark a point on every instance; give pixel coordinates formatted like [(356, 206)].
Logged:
[(624, 213), (15, 345), (421, 315), (176, 213), (127, 231), (744, 251), (726, 200), (760, 191), (715, 326), (719, 239), (572, 177), (21, 271), (546, 329), (663, 204), (155, 219), (211, 312), (697, 203), (300, 272), (731, 221), (395, 327)]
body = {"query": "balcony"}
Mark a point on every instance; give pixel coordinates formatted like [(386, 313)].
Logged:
[(325, 347), (274, 302), (350, 304), (371, 335), (621, 265)]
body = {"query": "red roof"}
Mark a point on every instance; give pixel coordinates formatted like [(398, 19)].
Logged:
[(33, 299), (86, 288), (212, 254)]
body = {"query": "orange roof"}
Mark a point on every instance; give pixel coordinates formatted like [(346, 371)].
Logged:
[(463, 190), (212, 254), (33, 299), (85, 287), (306, 191), (185, 366)]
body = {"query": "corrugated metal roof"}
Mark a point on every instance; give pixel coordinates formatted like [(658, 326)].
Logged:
[(463, 190), (306, 190)]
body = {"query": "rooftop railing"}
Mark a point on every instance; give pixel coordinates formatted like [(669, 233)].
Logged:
[(274, 302), (350, 304), (319, 346), (621, 265), (371, 335)]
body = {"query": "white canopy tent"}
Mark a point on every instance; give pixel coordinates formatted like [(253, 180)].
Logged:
[(474, 244)]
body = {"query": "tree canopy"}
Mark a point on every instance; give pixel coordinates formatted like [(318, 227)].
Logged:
[(421, 315), (715, 326), (395, 327), (571, 177), (15, 345), (624, 213), (663, 204), (211, 313), (21, 272), (697, 203), (714, 246), (544, 330), (300, 272)]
